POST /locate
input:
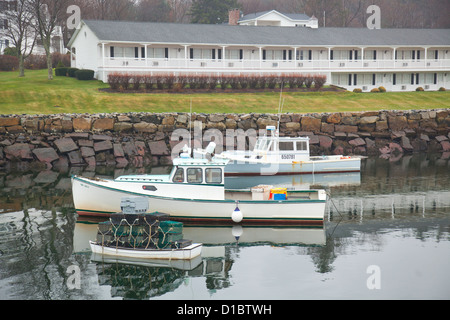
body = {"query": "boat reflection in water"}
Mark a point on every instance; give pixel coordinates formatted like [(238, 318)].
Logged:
[(125, 275)]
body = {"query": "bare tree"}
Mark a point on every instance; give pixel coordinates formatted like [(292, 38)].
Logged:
[(179, 10), (21, 31), (47, 15)]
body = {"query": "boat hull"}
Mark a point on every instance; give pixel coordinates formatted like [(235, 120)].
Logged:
[(328, 164), (187, 253), (101, 198)]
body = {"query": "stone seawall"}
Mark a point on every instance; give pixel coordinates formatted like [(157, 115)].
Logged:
[(142, 139)]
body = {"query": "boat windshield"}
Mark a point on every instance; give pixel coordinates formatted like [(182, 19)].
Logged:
[(262, 144)]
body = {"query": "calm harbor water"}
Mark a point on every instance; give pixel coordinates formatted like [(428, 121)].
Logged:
[(386, 236)]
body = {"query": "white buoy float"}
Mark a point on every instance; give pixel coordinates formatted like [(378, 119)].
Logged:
[(237, 216)]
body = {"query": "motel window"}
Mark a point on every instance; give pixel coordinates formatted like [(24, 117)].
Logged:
[(194, 175), (232, 54), (213, 175), (179, 175), (155, 53), (286, 146), (302, 145)]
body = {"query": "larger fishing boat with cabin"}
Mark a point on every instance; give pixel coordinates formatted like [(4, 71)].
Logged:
[(275, 155), (194, 192)]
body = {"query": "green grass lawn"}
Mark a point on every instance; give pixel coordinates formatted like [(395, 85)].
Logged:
[(34, 94)]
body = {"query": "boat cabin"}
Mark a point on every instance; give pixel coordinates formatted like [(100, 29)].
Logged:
[(286, 148), (198, 170)]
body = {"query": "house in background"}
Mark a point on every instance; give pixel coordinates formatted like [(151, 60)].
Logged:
[(7, 6), (398, 59), (272, 18)]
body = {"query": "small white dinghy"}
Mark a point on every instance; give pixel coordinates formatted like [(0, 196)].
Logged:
[(187, 253), (132, 234)]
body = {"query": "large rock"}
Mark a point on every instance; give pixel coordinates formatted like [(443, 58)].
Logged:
[(82, 124), (311, 124), (145, 127), (18, 151), (334, 118), (65, 145), (397, 123), (8, 122), (103, 145), (103, 124), (46, 154), (87, 152), (118, 150), (325, 142), (158, 148), (75, 157)]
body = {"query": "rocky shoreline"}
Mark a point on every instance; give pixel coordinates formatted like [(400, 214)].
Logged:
[(143, 139)]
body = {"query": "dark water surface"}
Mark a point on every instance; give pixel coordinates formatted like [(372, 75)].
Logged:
[(386, 236)]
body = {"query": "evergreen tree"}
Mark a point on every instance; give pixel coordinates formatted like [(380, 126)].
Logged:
[(211, 11)]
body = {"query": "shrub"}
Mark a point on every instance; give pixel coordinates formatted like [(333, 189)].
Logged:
[(36, 62), (160, 80), (61, 71), (71, 72), (375, 90), (11, 51), (124, 81), (114, 80), (223, 82), (441, 89), (272, 81), (136, 81), (319, 81), (84, 74), (382, 89), (308, 81), (357, 90), (212, 82), (60, 59), (147, 80), (419, 89), (8, 63)]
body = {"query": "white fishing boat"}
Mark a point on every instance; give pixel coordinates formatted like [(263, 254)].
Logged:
[(187, 253), (275, 155), (194, 192)]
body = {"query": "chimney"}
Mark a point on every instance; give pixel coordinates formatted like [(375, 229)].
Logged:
[(233, 17)]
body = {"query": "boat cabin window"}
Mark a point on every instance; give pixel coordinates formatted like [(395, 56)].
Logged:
[(286, 146), (262, 144), (179, 175), (213, 175), (194, 175), (302, 145)]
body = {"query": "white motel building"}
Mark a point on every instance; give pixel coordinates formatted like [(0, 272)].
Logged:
[(268, 43)]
